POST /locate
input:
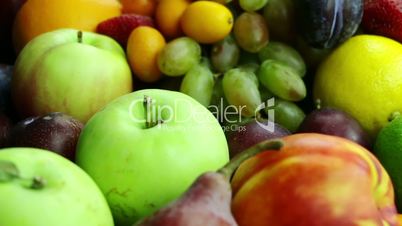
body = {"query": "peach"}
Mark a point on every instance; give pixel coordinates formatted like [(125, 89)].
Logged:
[(314, 180)]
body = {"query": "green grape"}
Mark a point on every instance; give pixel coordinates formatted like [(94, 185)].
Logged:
[(282, 80), (179, 56), (252, 68), (287, 114), (280, 16), (251, 31), (199, 83), (225, 54), (241, 91), (218, 96), (252, 5), (218, 101), (285, 54)]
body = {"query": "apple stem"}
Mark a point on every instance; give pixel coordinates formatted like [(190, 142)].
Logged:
[(79, 36), (150, 121), (37, 183), (267, 145)]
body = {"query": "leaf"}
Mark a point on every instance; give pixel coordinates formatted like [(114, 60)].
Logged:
[(8, 171)]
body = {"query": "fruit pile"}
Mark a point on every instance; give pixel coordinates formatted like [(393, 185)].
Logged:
[(200, 112)]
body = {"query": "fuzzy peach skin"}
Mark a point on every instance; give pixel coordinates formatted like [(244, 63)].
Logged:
[(314, 180)]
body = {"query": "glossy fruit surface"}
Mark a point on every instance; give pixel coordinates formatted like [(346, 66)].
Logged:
[(244, 135), (335, 122), (71, 72), (287, 114), (143, 48), (120, 28), (326, 23), (206, 21), (179, 56), (55, 132), (369, 92), (199, 83), (225, 54), (251, 31), (34, 18), (387, 148), (37, 180), (285, 54), (142, 7), (141, 168), (383, 17), (310, 173), (282, 80), (241, 90), (167, 16)]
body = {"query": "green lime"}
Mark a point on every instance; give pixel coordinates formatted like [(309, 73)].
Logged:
[(388, 149)]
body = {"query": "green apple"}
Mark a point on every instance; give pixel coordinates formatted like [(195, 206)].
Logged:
[(145, 149), (69, 71), (39, 188)]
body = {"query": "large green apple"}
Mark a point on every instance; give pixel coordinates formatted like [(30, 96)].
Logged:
[(142, 166), (69, 71), (39, 188)]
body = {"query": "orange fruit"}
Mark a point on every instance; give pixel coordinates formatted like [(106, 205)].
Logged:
[(143, 47), (168, 14), (206, 21), (40, 16), (142, 7)]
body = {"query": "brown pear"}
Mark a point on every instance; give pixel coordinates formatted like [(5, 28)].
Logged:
[(207, 202)]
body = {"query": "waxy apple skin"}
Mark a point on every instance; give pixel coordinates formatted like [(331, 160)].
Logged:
[(69, 196), (141, 169), (58, 72), (314, 180)]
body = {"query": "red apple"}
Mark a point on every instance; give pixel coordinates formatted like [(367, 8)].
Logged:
[(314, 180)]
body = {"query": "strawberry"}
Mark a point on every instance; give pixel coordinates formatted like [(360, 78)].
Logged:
[(120, 28), (383, 17)]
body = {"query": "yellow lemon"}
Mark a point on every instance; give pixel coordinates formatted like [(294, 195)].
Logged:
[(206, 22), (364, 78)]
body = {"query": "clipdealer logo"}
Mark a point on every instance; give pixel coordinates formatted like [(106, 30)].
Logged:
[(147, 110)]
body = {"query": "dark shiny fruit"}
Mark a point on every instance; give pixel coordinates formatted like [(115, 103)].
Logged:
[(335, 122), (6, 72), (242, 136), (326, 23), (5, 127), (8, 10), (56, 132)]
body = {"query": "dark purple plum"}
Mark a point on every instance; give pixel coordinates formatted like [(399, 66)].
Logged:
[(56, 132), (326, 23), (335, 122), (5, 127), (6, 72), (242, 136)]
